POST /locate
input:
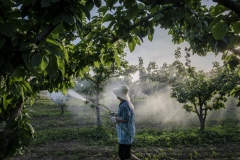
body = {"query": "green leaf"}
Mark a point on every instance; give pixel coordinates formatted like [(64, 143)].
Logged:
[(233, 42), (218, 9), (214, 22), (137, 40), (61, 66), (129, 3), (79, 24), (233, 63), (131, 45), (36, 60), (89, 4), (96, 64), (132, 12), (52, 68), (27, 85), (236, 91), (86, 69), (45, 3), (102, 51), (220, 30), (236, 27), (85, 11), (6, 101), (29, 127), (53, 43), (98, 3), (73, 67), (107, 17), (44, 63), (7, 29), (16, 90), (18, 74), (103, 9), (117, 60), (140, 6), (158, 16), (66, 55), (110, 3), (150, 37), (68, 19)]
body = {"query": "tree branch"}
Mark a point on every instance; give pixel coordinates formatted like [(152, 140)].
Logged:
[(230, 4), (88, 78), (44, 33), (162, 2), (195, 107), (141, 22)]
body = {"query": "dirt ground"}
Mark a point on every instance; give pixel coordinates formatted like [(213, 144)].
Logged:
[(75, 150)]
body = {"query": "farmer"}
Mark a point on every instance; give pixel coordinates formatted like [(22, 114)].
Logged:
[(125, 124)]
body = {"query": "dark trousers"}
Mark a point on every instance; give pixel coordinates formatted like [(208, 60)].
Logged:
[(124, 151)]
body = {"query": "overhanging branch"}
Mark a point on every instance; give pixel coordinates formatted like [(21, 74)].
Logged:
[(142, 21), (162, 2), (41, 36), (230, 4)]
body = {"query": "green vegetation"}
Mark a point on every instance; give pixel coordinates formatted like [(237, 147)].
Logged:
[(74, 135), (37, 50)]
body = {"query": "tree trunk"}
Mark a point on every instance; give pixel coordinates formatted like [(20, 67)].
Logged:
[(99, 123), (202, 124), (62, 109), (6, 141)]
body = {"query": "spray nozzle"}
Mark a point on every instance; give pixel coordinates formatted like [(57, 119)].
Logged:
[(90, 103), (86, 102), (113, 113)]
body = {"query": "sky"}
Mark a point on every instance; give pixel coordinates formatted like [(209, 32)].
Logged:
[(161, 50)]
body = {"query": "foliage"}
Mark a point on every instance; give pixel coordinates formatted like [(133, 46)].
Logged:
[(214, 29), (35, 54), (112, 63), (201, 93), (36, 50), (146, 80), (20, 138), (217, 134)]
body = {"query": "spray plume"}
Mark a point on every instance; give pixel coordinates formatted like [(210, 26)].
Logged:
[(73, 94)]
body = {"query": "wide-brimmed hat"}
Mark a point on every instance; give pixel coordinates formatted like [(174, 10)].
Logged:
[(122, 92)]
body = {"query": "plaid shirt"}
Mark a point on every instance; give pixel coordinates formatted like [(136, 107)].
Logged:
[(125, 130)]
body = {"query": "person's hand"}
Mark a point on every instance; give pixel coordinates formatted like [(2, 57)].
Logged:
[(113, 118)]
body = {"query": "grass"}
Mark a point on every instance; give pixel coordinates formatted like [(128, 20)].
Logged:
[(74, 135)]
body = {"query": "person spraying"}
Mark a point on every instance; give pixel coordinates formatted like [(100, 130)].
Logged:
[(125, 120)]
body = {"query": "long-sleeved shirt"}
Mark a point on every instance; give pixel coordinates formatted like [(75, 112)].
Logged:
[(126, 130)]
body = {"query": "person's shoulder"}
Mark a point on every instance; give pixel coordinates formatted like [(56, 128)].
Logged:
[(125, 104)]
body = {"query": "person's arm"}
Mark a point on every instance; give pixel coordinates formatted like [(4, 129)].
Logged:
[(118, 119), (125, 112)]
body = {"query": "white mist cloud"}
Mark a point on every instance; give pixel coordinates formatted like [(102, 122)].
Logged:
[(161, 110)]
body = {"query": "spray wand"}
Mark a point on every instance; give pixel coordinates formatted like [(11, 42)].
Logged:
[(93, 105)]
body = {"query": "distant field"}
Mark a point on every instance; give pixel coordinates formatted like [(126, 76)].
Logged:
[(74, 135)]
